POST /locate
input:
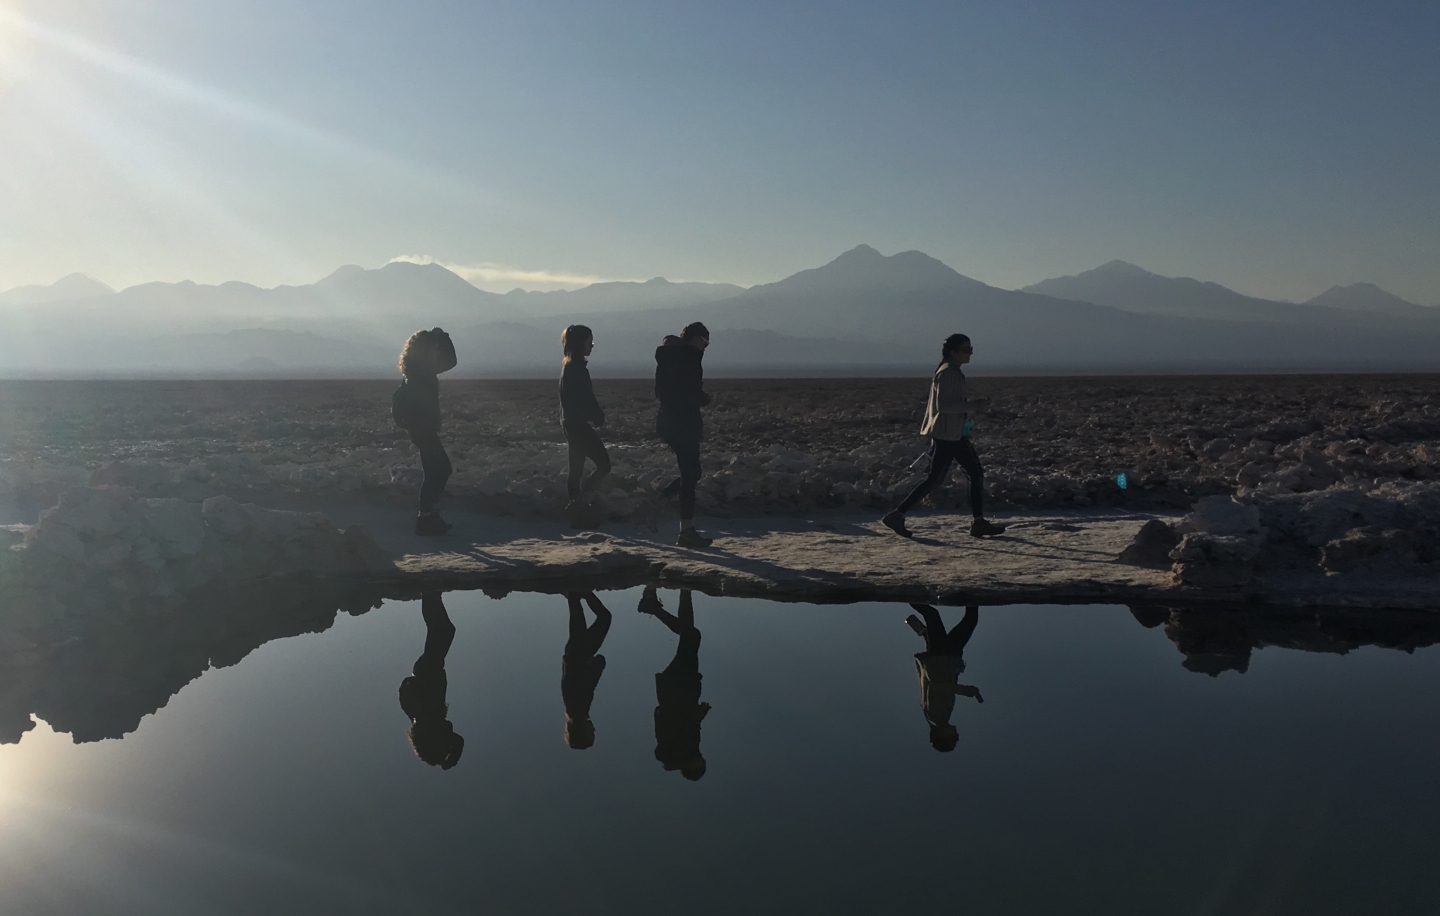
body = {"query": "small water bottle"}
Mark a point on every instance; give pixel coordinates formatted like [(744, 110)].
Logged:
[(1122, 480)]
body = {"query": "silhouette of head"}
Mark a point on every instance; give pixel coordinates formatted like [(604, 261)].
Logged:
[(693, 768), (579, 733), (573, 340), (427, 353), (436, 743), (944, 737), (695, 332), (953, 344)]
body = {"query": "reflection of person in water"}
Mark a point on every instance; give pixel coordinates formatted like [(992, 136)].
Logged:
[(581, 667), (422, 694), (678, 710), (939, 668)]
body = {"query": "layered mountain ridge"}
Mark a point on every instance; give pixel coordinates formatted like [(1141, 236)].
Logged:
[(861, 313)]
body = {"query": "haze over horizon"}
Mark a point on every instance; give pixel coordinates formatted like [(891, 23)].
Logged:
[(1277, 151)]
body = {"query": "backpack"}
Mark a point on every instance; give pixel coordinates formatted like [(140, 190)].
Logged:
[(402, 406)]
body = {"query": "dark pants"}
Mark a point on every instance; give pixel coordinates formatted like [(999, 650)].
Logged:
[(946, 451), (687, 456), (585, 640), (436, 465), (937, 641), (584, 443)]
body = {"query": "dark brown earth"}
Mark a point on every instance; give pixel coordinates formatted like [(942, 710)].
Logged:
[(773, 446)]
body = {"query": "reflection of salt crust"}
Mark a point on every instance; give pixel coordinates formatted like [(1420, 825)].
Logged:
[(138, 545)]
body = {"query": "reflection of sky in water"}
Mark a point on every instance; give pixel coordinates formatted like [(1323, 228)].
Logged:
[(1098, 776)]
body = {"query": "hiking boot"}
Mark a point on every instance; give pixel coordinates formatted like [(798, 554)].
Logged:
[(895, 521), (984, 529), (917, 625), (689, 537), (431, 525), (584, 515), (649, 601)]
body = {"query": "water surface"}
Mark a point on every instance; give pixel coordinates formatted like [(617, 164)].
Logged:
[(1098, 775)]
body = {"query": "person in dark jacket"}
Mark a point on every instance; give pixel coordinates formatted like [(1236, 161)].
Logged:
[(678, 710), (578, 410), (679, 386), (422, 694), (426, 355), (939, 668), (581, 667)]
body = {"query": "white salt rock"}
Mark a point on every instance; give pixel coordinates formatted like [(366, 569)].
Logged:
[(1221, 516)]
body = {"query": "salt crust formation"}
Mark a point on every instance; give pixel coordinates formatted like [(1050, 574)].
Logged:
[(115, 542), (1390, 529), (774, 447)]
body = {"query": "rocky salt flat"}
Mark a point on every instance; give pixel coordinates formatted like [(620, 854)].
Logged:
[(774, 446), (1299, 490)]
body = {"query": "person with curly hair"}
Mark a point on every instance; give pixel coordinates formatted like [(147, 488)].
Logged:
[(417, 410)]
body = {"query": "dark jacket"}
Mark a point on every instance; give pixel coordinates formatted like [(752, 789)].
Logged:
[(577, 395), (679, 381), (422, 393)]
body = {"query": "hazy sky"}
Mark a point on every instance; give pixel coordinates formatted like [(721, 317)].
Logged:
[(1277, 148)]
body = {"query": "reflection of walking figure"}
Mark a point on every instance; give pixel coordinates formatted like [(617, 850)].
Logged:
[(678, 710), (417, 410), (581, 667), (579, 409), (422, 694), (679, 380), (948, 424), (939, 668)]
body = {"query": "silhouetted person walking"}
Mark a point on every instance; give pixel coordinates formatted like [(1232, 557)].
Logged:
[(939, 668), (417, 410), (578, 410), (678, 710), (948, 424), (679, 386), (581, 667), (422, 694)]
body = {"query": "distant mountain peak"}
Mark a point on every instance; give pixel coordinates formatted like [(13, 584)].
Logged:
[(1367, 297), (1119, 268), (860, 253), (66, 289)]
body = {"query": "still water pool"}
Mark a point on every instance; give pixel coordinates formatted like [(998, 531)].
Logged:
[(1091, 772)]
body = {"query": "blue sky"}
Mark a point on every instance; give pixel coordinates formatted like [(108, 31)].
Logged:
[(1276, 148)]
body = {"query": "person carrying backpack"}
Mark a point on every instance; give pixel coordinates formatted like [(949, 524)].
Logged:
[(579, 409), (416, 406), (679, 381), (948, 424)]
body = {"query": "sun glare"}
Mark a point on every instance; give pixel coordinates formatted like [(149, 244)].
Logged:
[(14, 42)]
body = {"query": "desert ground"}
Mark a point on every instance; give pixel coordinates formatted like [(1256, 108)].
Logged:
[(774, 447)]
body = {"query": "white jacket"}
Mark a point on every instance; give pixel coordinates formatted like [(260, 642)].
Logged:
[(947, 408)]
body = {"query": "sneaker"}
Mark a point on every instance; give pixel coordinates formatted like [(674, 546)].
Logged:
[(649, 601), (431, 525), (917, 625), (584, 515), (689, 537), (895, 521), (671, 490), (985, 529)]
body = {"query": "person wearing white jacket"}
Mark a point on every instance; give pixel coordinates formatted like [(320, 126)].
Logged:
[(948, 424)]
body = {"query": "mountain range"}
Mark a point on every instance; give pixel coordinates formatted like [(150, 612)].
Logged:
[(862, 313)]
